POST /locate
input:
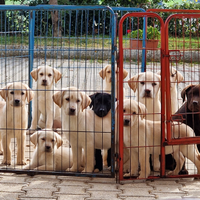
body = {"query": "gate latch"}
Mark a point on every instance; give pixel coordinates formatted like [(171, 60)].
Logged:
[(174, 55)]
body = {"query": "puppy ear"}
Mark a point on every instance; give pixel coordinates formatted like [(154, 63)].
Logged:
[(85, 100), (159, 77), (4, 91), (34, 137), (125, 73), (57, 98), (58, 140), (179, 77), (29, 93), (133, 82), (185, 91), (102, 73), (34, 73), (143, 110), (57, 75), (92, 99)]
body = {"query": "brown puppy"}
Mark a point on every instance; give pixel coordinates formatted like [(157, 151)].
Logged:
[(14, 119)]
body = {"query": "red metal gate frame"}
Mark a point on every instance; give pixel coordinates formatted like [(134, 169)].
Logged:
[(185, 140), (120, 66)]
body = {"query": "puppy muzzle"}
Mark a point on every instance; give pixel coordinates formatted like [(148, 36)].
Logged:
[(17, 103), (147, 93), (47, 149), (126, 122), (72, 111), (102, 112), (44, 82)]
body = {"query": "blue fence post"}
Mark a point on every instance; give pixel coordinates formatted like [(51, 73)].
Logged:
[(31, 56)]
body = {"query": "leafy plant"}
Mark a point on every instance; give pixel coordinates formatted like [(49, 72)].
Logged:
[(152, 33)]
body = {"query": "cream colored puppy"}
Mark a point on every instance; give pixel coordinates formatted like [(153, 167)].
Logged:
[(48, 154), (147, 86), (175, 78), (44, 110), (14, 119), (144, 137), (105, 74), (77, 125)]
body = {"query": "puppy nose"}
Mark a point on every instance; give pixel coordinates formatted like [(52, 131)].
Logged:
[(126, 122), (48, 147), (102, 110), (17, 101), (72, 110), (147, 91), (44, 81), (195, 102)]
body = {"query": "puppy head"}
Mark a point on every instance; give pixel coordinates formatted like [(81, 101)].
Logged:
[(175, 77), (16, 94), (133, 111), (101, 103), (46, 140), (45, 75), (72, 100), (192, 92), (105, 73), (147, 84)]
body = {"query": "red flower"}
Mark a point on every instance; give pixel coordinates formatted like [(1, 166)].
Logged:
[(128, 31)]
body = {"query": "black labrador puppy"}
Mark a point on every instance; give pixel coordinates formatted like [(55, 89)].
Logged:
[(189, 114), (101, 104)]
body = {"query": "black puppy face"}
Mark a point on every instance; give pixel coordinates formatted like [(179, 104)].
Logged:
[(101, 103), (193, 97)]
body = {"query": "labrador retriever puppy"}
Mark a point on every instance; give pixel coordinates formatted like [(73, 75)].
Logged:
[(77, 125), (14, 119), (175, 78), (147, 86), (105, 74), (101, 105), (45, 112), (144, 137), (48, 154)]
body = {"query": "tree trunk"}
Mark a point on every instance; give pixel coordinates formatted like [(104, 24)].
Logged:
[(57, 29)]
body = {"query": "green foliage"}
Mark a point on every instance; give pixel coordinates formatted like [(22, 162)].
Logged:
[(152, 33)]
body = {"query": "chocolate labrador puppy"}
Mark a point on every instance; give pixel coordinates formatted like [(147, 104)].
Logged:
[(188, 113)]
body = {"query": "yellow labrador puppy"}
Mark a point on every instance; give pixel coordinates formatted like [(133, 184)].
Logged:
[(147, 88), (175, 78), (105, 74), (77, 125), (145, 136), (44, 110), (48, 154), (14, 119)]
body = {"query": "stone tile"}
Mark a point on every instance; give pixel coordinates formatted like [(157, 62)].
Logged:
[(103, 187), (39, 193), (139, 198), (103, 195), (168, 196), (73, 190), (136, 192), (40, 184), (8, 196), (73, 197), (36, 198), (11, 187), (193, 194), (13, 179), (71, 182)]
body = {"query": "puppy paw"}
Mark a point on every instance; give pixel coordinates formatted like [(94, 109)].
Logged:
[(6, 162), (21, 162), (1, 152), (96, 170), (170, 173), (72, 169), (30, 131), (156, 169), (127, 175)]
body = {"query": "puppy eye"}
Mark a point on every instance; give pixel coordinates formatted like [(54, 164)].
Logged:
[(12, 92), (67, 99), (49, 75), (124, 110), (78, 101), (22, 93), (134, 113), (41, 74), (108, 72), (142, 83), (52, 140), (153, 84), (172, 75), (43, 139)]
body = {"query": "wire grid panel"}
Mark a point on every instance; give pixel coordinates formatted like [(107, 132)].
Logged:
[(70, 46), (183, 60)]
